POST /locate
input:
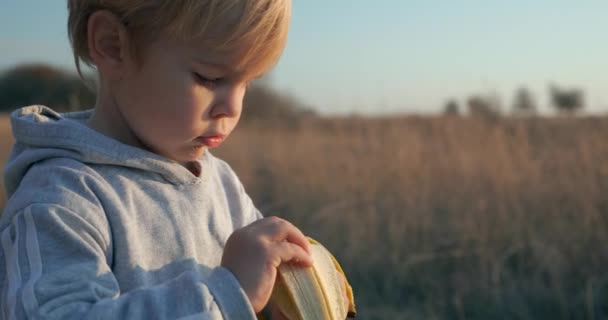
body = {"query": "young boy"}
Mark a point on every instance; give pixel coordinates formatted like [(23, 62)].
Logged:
[(122, 212)]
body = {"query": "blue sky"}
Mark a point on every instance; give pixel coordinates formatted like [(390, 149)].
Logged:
[(391, 56)]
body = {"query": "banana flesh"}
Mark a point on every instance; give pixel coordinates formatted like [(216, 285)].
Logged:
[(316, 293)]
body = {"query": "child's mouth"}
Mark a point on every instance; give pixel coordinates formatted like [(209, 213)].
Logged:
[(211, 141)]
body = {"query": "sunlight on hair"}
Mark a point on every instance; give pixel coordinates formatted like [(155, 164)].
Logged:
[(253, 30)]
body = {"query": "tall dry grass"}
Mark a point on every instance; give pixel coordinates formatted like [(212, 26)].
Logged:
[(6, 141), (446, 218)]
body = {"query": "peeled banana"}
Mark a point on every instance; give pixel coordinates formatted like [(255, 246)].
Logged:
[(316, 293)]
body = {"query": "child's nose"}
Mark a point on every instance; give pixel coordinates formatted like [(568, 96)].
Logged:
[(229, 103)]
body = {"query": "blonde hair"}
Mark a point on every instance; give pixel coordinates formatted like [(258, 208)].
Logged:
[(257, 29)]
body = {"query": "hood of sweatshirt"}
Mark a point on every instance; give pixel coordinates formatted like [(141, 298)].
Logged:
[(41, 133)]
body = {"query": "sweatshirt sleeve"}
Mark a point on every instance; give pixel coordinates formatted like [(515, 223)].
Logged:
[(55, 264)]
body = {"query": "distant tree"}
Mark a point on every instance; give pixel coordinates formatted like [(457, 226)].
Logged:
[(65, 91), (451, 108), (567, 101), (484, 106), (264, 104), (42, 84), (524, 103)]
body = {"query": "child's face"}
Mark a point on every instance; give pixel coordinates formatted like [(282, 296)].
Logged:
[(180, 100)]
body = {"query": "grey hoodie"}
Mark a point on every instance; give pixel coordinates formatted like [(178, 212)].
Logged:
[(96, 229)]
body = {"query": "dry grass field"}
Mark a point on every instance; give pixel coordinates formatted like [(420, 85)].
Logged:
[(6, 140), (444, 217)]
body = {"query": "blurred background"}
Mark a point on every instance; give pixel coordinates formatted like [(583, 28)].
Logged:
[(452, 156)]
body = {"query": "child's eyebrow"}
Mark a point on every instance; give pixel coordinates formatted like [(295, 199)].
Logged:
[(215, 65)]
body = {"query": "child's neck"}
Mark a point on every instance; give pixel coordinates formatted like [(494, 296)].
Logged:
[(108, 120)]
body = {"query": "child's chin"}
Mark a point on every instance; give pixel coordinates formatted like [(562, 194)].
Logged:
[(196, 153)]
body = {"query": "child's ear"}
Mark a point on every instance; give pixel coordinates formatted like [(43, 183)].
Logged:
[(108, 43)]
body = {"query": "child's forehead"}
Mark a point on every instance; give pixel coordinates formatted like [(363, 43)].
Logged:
[(243, 60), (233, 61)]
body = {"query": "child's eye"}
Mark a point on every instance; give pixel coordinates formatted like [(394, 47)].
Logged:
[(207, 82)]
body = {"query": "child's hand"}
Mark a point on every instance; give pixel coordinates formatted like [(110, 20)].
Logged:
[(254, 252)]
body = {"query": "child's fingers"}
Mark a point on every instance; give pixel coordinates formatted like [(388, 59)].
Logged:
[(281, 229), (289, 252), (296, 237)]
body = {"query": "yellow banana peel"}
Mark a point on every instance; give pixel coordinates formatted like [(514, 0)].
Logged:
[(315, 293)]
